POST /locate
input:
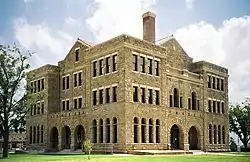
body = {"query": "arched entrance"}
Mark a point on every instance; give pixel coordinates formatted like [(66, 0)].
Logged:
[(54, 138), (175, 137), (66, 140), (193, 138), (79, 136)]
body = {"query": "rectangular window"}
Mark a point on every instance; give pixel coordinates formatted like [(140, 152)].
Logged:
[(42, 107), (143, 97), (135, 94), (63, 105), (218, 107), (150, 96), (218, 84), (115, 94), (101, 67), (157, 97), (198, 104), (67, 82), (42, 84), (101, 96), (75, 80), (142, 64), (209, 81), (107, 65), (38, 108), (209, 106), (31, 87), (38, 85), (67, 104), (79, 78), (34, 109), (95, 69), (35, 88), (107, 95), (150, 66), (79, 103), (75, 103), (222, 108), (170, 101), (156, 68), (213, 82), (63, 83), (134, 63), (77, 54), (189, 103), (94, 97), (214, 106), (181, 104), (222, 85), (114, 63)]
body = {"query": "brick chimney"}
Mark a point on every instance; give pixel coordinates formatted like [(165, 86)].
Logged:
[(149, 26)]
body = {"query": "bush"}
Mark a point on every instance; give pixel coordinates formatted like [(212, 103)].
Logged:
[(87, 145)]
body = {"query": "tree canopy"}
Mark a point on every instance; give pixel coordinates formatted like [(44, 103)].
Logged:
[(239, 120)]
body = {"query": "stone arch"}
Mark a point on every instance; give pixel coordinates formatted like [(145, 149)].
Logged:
[(194, 138), (176, 137), (66, 137), (54, 138), (79, 136)]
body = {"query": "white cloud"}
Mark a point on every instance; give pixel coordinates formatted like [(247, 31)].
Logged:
[(112, 17), (190, 4), (228, 45), (28, 1), (50, 46)]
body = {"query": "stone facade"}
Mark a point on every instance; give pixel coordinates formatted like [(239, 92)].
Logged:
[(97, 93)]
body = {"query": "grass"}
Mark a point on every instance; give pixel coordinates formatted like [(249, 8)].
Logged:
[(120, 158)]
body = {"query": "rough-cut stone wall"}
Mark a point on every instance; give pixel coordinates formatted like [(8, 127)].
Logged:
[(176, 71)]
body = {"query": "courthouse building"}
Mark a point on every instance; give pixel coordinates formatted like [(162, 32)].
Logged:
[(129, 94)]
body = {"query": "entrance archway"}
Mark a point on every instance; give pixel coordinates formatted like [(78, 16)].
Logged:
[(79, 136), (54, 138), (175, 137), (193, 138), (66, 140)]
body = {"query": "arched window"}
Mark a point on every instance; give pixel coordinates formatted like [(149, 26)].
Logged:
[(157, 131), (219, 134), (194, 100), (210, 133), (30, 135), (150, 131), (107, 130), (143, 130), (136, 122), (38, 135), (223, 135), (101, 131), (115, 132), (34, 134), (94, 131), (41, 133), (176, 98), (215, 134)]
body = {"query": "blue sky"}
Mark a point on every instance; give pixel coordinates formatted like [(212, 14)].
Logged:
[(217, 31), (214, 30)]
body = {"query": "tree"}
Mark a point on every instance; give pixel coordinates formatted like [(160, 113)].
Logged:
[(13, 99), (88, 147), (239, 120)]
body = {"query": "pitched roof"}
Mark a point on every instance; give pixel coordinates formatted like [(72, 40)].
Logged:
[(164, 40), (86, 43)]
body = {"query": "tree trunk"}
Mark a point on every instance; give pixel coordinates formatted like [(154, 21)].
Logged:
[(245, 144), (5, 144)]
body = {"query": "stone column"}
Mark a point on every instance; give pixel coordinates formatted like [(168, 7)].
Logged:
[(139, 132), (147, 131), (185, 141), (72, 141)]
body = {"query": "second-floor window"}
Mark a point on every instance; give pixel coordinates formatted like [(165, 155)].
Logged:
[(150, 71), (157, 97), (143, 97), (114, 63), (114, 94), (75, 80), (107, 65), (135, 94), (150, 96), (222, 85), (107, 95), (156, 67), (209, 81), (101, 67), (101, 96), (65, 82), (94, 97)]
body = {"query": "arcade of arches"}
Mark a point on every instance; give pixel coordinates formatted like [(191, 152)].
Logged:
[(149, 132), (101, 133)]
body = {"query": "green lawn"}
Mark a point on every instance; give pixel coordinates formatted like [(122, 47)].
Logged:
[(117, 158)]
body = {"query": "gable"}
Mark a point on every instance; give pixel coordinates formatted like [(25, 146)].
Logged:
[(176, 55)]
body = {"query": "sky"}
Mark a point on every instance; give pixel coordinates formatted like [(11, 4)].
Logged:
[(217, 31)]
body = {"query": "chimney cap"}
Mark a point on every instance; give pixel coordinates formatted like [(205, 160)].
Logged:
[(149, 13)]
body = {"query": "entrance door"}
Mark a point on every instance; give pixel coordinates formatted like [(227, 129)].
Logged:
[(193, 138), (175, 141)]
